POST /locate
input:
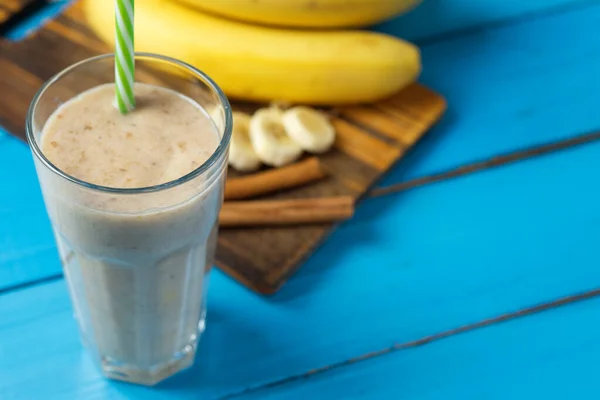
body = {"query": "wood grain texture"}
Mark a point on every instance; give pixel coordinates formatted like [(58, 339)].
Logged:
[(504, 84), (288, 383), (509, 87), (261, 259), (536, 357), (27, 247), (503, 81), (27, 264), (439, 19), (437, 258), (497, 161), (433, 259), (8, 8)]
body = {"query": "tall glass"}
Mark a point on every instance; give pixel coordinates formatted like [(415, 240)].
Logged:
[(136, 260)]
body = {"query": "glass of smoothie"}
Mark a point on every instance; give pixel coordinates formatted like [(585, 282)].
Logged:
[(134, 202)]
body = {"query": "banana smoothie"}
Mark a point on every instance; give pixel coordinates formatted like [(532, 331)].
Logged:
[(135, 263)]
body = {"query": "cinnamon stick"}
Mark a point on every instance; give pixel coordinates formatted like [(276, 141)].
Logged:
[(286, 212), (273, 180)]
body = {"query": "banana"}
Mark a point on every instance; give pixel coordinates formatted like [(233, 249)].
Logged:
[(241, 153), (263, 64), (216, 114), (270, 140), (309, 128), (307, 13)]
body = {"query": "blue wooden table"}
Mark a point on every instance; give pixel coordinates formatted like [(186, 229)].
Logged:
[(479, 286)]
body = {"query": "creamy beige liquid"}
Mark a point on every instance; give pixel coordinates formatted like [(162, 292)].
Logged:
[(135, 263), (159, 142)]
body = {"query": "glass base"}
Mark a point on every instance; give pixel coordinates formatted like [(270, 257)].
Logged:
[(113, 369)]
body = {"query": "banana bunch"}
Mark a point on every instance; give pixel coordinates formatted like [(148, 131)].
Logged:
[(307, 13), (275, 137), (260, 63)]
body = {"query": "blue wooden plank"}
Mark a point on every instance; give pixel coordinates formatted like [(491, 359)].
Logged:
[(553, 355), (405, 267), (510, 87), (27, 248), (440, 18), (33, 22)]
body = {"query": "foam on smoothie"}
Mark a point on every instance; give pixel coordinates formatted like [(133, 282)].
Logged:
[(160, 141)]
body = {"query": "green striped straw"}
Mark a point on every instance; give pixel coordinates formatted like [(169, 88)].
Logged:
[(124, 56)]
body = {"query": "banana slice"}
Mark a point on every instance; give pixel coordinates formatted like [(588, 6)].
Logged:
[(309, 128), (270, 140), (242, 156), (217, 116)]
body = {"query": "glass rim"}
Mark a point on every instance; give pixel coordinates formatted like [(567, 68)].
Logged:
[(221, 148)]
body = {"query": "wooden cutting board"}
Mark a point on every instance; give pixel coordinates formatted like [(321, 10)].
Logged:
[(371, 138), (8, 8)]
